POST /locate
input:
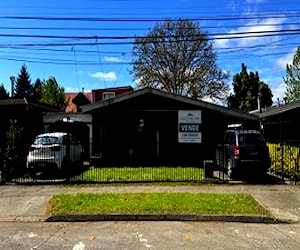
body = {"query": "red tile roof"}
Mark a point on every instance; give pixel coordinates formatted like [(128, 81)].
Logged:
[(71, 107)]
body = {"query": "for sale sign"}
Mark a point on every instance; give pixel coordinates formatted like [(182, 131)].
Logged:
[(189, 126)]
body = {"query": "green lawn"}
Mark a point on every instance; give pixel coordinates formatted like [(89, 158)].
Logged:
[(142, 174), (155, 203)]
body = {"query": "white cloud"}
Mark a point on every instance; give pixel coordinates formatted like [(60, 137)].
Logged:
[(221, 43), (112, 59), (278, 91), (110, 76), (251, 32), (284, 60)]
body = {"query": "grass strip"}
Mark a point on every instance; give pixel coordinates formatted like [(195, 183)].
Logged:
[(155, 203)]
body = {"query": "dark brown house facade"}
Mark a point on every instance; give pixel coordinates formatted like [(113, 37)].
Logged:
[(282, 123), (150, 126)]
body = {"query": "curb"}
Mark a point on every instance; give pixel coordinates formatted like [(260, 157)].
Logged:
[(165, 217)]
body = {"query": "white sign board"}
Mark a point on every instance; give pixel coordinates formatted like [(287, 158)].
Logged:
[(189, 126)]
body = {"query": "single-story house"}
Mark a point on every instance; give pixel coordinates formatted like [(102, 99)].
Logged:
[(151, 126)]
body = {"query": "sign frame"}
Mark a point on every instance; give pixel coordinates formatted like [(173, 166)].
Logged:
[(189, 126)]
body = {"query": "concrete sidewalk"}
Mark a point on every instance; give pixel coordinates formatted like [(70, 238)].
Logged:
[(29, 203)]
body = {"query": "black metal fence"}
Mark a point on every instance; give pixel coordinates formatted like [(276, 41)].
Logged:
[(53, 164), (285, 159)]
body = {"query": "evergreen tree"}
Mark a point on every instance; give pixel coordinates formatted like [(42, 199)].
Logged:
[(23, 86), (292, 79), (37, 90), (3, 93), (247, 87)]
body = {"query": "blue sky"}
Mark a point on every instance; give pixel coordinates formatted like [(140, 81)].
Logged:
[(272, 27)]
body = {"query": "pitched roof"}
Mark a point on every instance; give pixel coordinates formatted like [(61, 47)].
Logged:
[(277, 111), (114, 88), (71, 107), (201, 104), (25, 102), (13, 101), (81, 99)]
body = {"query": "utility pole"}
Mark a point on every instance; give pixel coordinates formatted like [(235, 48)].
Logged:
[(12, 79)]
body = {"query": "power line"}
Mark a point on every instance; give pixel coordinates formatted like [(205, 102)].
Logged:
[(71, 62), (107, 19), (220, 36), (216, 35)]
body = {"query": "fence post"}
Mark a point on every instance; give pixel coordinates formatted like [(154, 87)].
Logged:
[(282, 160)]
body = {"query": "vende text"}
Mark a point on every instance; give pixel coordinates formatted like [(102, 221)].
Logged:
[(188, 127)]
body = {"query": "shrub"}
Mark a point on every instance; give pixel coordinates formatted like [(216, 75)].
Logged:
[(285, 159)]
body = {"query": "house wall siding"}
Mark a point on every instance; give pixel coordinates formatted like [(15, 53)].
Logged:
[(118, 139)]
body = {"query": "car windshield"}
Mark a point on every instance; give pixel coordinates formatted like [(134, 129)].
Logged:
[(46, 140), (251, 139)]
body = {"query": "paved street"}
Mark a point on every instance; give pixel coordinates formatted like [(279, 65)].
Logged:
[(149, 235)]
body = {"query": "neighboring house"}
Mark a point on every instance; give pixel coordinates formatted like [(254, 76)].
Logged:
[(25, 113), (107, 93), (282, 122), (72, 120), (76, 100), (151, 126)]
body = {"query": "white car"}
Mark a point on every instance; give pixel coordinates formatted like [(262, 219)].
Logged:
[(54, 151)]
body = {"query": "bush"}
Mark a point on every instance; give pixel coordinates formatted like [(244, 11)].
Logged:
[(285, 159)]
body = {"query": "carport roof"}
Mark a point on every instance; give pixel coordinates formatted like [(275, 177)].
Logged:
[(197, 103)]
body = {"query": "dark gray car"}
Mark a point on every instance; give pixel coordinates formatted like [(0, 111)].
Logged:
[(243, 152)]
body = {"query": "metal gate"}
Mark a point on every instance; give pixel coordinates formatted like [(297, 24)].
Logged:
[(285, 159)]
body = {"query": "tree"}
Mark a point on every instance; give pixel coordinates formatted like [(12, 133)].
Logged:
[(53, 94), (292, 79), (3, 93), (37, 90), (23, 86), (177, 56), (247, 88), (265, 94)]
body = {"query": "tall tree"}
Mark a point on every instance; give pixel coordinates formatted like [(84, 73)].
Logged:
[(37, 90), (23, 86), (3, 93), (247, 88), (177, 56), (292, 79), (53, 94)]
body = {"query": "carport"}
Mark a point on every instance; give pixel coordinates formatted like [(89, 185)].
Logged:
[(75, 123)]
